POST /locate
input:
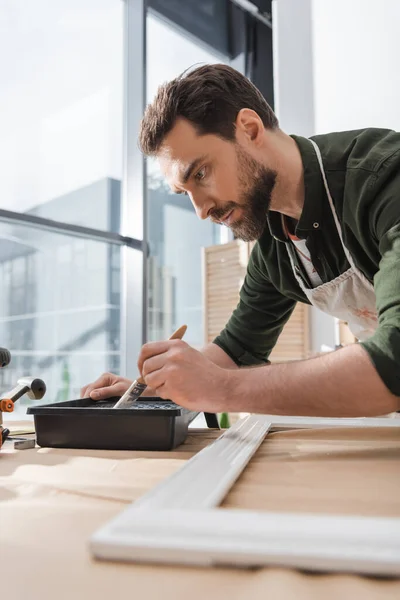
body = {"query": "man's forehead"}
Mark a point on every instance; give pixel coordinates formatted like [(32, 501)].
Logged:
[(177, 172), (171, 166), (180, 149), (181, 143)]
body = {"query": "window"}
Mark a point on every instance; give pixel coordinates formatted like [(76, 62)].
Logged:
[(61, 159), (59, 309), (61, 109), (67, 72), (175, 234)]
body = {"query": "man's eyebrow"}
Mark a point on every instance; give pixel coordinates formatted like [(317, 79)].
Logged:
[(193, 165)]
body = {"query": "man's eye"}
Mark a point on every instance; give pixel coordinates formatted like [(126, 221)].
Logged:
[(200, 174)]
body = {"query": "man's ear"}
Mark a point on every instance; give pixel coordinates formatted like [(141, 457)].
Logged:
[(249, 126)]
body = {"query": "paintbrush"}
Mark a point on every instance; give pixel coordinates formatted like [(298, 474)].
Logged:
[(137, 388)]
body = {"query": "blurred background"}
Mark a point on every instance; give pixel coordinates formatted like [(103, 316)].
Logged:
[(96, 254)]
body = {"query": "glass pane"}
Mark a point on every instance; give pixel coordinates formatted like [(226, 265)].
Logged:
[(175, 234), (208, 20), (61, 109), (59, 310)]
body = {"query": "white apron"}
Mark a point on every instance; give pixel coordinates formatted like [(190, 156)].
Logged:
[(349, 297)]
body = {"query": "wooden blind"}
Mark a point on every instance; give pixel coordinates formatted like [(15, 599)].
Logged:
[(224, 269)]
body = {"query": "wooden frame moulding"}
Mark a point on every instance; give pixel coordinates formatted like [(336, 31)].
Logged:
[(178, 521)]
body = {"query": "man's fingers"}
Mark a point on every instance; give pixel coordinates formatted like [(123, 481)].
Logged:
[(149, 393), (162, 392), (118, 389), (155, 379), (153, 364), (152, 349), (103, 381), (85, 391)]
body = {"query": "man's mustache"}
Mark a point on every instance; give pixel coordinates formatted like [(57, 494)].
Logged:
[(217, 214)]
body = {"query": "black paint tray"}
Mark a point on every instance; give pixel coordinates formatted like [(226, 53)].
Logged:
[(149, 424)]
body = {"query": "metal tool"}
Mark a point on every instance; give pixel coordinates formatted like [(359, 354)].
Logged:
[(6, 406), (20, 443), (35, 389), (24, 444), (137, 388), (5, 357)]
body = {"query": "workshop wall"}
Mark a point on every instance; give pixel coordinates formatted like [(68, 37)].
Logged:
[(335, 68), (356, 48)]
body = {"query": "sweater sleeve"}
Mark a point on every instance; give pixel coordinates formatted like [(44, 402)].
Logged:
[(384, 346)]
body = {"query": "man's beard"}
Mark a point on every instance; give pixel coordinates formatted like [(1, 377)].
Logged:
[(257, 183)]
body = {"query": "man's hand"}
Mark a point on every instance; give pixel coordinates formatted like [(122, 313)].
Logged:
[(182, 374), (109, 384), (106, 386)]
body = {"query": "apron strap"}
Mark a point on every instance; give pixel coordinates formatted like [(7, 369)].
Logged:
[(338, 227)]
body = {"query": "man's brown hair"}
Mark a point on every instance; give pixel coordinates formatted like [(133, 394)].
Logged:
[(210, 97)]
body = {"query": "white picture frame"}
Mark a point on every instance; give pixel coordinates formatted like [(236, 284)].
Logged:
[(179, 522)]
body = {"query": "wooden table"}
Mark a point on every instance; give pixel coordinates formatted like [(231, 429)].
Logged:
[(52, 500)]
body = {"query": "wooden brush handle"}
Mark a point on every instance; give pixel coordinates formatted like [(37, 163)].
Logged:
[(177, 335)]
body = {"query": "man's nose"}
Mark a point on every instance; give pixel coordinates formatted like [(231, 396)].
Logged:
[(202, 206)]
